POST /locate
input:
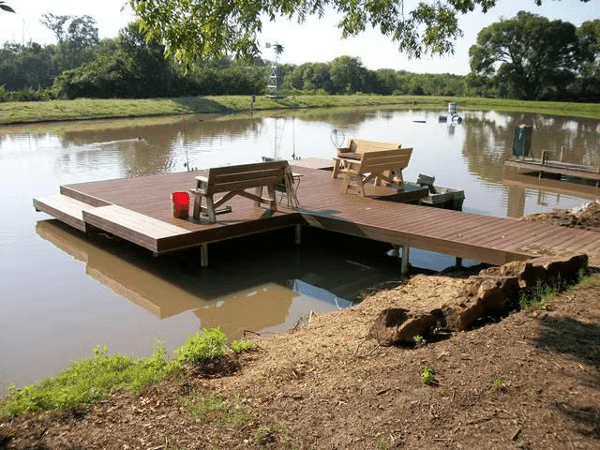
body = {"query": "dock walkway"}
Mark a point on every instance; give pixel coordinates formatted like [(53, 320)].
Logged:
[(139, 210)]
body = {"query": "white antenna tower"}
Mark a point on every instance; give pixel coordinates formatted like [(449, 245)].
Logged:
[(273, 83)]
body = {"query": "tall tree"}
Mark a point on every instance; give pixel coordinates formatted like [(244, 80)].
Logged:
[(76, 37), (529, 55), (588, 84), (193, 30)]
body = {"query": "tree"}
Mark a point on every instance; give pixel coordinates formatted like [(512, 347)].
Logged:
[(531, 56), (347, 75), (588, 83), (193, 30), (75, 40)]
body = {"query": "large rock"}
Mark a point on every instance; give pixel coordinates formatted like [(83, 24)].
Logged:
[(566, 267), (399, 326)]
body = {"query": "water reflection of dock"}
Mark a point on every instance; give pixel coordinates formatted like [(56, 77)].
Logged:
[(165, 288)]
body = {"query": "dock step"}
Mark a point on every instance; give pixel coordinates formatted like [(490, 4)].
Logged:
[(63, 208), (132, 226)]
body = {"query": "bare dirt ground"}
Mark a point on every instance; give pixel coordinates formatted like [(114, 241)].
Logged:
[(528, 381)]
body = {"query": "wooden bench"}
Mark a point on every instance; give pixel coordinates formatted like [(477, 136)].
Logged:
[(381, 166), (354, 148), (234, 180)]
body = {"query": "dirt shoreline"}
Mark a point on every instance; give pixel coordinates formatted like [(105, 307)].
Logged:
[(528, 381)]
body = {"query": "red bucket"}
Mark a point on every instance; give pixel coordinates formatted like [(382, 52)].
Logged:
[(181, 205)]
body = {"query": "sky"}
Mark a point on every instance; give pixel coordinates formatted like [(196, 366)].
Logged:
[(317, 40)]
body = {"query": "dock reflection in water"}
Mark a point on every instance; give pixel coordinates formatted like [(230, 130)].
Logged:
[(248, 286)]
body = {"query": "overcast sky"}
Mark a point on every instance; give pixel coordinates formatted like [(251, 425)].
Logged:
[(315, 41)]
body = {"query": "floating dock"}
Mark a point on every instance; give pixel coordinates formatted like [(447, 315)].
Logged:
[(542, 166), (139, 210)]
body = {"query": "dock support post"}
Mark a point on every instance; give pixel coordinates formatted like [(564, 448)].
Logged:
[(298, 234), (204, 255), (404, 264), (458, 261)]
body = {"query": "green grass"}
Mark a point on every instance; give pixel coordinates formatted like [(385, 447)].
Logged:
[(219, 410), (61, 110), (98, 377), (537, 297)]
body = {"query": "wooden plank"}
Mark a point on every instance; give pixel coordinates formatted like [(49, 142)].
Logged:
[(134, 227), (63, 208), (591, 173)]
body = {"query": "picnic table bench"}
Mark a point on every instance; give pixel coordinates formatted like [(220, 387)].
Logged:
[(235, 180), (384, 167), (354, 148)]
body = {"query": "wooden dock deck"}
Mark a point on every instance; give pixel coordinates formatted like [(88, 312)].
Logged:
[(139, 210), (543, 165)]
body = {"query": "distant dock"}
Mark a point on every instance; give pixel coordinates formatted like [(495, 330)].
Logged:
[(139, 210)]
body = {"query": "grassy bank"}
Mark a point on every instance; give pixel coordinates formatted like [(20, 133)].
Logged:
[(57, 110)]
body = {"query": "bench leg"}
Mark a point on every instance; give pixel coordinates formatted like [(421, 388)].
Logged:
[(272, 198), (197, 204), (336, 168), (210, 209)]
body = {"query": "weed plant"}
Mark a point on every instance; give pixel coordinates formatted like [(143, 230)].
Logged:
[(536, 297), (428, 376), (96, 378)]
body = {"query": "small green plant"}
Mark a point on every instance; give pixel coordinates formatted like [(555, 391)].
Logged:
[(240, 346), (536, 297), (198, 348), (428, 376), (498, 384), (419, 340)]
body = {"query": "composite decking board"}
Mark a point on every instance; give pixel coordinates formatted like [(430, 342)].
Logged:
[(323, 204), (508, 231), (542, 236), (66, 209), (491, 256), (588, 241)]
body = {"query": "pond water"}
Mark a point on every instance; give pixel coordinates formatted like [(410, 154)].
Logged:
[(62, 294)]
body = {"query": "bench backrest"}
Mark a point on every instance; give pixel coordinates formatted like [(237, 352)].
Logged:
[(245, 176), (379, 161), (366, 146)]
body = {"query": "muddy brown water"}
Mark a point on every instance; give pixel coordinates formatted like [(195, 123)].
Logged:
[(62, 294)]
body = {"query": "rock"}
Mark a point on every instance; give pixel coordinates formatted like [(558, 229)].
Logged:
[(461, 316), (562, 267), (492, 296), (396, 325), (531, 275)]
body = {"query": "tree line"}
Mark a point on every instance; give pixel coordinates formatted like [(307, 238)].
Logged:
[(526, 57)]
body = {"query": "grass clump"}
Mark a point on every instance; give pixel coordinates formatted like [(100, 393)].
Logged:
[(220, 410), (98, 377), (537, 297)]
